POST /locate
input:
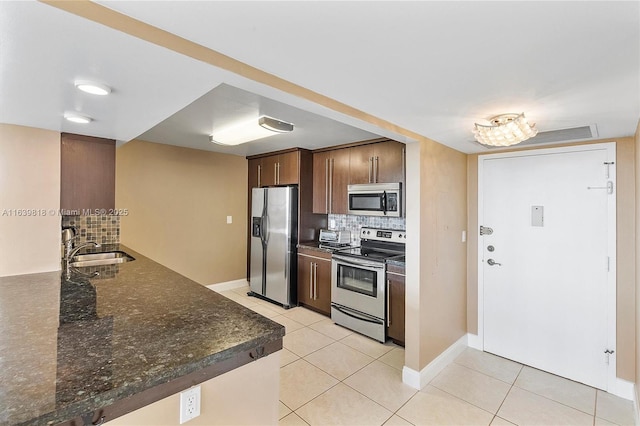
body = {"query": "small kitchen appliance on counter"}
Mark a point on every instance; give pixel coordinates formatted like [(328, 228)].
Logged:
[(334, 239), (358, 283), (274, 238)]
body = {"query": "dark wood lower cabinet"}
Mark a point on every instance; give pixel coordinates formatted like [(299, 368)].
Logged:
[(314, 280), (395, 305)]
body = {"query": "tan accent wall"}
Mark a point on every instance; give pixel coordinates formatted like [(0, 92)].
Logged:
[(178, 200), (626, 252), (29, 200), (436, 275), (247, 395)]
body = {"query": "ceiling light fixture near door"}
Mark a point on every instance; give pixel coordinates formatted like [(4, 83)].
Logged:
[(250, 130), (505, 130), (92, 87), (74, 117)]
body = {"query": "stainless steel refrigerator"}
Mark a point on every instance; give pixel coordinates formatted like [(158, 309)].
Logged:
[(274, 237)]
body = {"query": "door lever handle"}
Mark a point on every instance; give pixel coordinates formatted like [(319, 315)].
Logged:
[(492, 262)]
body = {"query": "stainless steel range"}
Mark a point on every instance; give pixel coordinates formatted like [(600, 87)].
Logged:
[(358, 290)]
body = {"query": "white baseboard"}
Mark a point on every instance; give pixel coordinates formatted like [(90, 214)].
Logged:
[(636, 408), (229, 285), (474, 341), (623, 389), (419, 380)]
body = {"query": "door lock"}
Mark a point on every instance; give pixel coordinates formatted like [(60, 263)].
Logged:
[(492, 262), (491, 248)]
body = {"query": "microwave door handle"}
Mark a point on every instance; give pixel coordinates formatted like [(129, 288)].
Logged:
[(384, 202)]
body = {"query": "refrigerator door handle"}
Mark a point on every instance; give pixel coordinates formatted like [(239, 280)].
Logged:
[(286, 264)]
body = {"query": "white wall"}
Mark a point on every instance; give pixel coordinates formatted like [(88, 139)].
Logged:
[(29, 181)]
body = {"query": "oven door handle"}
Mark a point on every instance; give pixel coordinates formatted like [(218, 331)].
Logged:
[(352, 314), (362, 264)]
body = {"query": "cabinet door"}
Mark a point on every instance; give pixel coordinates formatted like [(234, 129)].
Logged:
[(87, 173), (388, 162), (268, 171), (254, 174), (339, 180), (305, 279), (396, 307), (322, 276), (287, 168), (361, 164), (321, 171)]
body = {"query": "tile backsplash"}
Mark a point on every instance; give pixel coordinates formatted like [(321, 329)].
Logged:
[(101, 229), (353, 223)]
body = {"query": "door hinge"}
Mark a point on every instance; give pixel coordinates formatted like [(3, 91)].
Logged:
[(485, 230), (607, 354)]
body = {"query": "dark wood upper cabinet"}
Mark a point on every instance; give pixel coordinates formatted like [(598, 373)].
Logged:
[(321, 173), (361, 164), (277, 169), (330, 180), (87, 173), (381, 162), (389, 162)]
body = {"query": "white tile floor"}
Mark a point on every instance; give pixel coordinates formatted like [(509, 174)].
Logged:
[(332, 376)]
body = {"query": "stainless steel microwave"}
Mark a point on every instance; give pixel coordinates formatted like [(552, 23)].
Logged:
[(375, 199)]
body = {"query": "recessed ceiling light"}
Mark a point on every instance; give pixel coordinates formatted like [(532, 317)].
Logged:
[(93, 88), (77, 118)]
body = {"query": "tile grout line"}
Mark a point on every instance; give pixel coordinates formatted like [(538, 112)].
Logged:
[(342, 381)]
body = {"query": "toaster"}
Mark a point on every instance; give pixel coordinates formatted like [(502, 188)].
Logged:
[(335, 236)]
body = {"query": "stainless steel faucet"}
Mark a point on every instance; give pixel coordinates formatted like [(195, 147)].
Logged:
[(72, 252), (80, 247)]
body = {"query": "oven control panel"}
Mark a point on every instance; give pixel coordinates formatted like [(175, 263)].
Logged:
[(390, 235)]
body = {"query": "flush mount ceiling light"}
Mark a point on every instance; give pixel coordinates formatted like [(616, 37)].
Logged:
[(77, 118), (92, 87), (505, 130), (250, 130)]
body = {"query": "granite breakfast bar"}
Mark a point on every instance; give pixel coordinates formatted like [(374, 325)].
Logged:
[(89, 350)]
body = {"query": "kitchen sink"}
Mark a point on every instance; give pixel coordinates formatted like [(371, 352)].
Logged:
[(98, 259)]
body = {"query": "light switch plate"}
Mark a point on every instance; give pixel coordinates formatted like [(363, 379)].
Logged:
[(537, 215), (229, 219)]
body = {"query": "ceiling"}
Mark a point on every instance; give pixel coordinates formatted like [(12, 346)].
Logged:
[(340, 71)]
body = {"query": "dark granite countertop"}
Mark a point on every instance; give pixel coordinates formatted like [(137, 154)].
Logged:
[(397, 261), (70, 347)]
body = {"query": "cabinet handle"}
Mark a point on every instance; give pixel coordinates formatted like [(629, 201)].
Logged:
[(259, 176), (388, 303), (370, 168), (311, 280), (315, 281), (326, 185), (404, 159), (375, 171), (278, 173), (275, 173), (331, 187)]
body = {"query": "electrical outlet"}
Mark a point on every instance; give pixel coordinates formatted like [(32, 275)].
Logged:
[(189, 404)]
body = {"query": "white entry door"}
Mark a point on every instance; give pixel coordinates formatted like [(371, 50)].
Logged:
[(548, 267)]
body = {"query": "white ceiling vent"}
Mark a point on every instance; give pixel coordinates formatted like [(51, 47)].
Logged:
[(552, 136)]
